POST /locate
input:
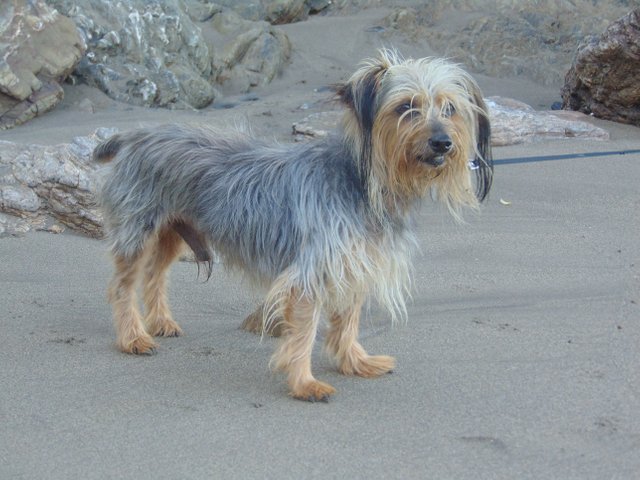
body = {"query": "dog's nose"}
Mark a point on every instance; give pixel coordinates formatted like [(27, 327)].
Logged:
[(440, 143)]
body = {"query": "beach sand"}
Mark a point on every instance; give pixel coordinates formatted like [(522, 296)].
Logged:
[(519, 358)]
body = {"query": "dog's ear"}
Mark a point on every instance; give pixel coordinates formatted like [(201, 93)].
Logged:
[(483, 161), (360, 92)]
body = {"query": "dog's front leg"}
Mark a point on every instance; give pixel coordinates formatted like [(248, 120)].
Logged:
[(342, 342), (299, 327)]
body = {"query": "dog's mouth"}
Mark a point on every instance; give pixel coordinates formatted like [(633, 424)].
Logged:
[(434, 160)]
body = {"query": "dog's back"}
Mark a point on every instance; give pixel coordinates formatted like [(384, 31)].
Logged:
[(254, 202)]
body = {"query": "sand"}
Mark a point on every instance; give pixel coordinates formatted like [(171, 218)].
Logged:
[(519, 358)]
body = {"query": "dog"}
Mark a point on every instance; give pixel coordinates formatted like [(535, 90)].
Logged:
[(324, 224)]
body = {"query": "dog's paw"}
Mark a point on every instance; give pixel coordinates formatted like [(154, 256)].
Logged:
[(314, 391), (142, 345), (164, 328), (370, 366)]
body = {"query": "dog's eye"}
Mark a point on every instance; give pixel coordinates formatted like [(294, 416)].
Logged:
[(448, 110), (407, 107)]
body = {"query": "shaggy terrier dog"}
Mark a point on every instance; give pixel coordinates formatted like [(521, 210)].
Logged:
[(324, 224)]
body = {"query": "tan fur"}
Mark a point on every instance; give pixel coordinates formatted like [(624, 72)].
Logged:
[(132, 336), (162, 252), (342, 343), (299, 326), (254, 323)]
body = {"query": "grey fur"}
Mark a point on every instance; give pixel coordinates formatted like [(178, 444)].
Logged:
[(266, 208), (324, 223), (316, 218)]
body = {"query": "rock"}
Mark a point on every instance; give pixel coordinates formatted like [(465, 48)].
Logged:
[(512, 122), (38, 183), (12, 226), (505, 38), (604, 78), (317, 125), (39, 48), (172, 53), (286, 11), (86, 105), (41, 101), (317, 6), (54, 229), (201, 12), (147, 53), (252, 53), (277, 12)]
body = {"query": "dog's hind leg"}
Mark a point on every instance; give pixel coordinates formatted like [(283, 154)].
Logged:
[(131, 334), (160, 254), (342, 342), (299, 327), (254, 323)]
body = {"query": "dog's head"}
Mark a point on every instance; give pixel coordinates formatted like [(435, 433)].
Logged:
[(416, 125)]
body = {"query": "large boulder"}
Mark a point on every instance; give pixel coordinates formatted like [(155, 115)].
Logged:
[(38, 49), (505, 38), (147, 53), (172, 53), (604, 79), (250, 53), (42, 185), (514, 122)]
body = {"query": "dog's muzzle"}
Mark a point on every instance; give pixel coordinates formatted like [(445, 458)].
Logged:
[(440, 144)]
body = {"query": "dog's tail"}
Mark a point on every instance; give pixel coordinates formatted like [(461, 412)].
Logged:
[(108, 149)]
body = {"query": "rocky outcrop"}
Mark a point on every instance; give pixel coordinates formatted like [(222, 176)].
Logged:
[(604, 79), (250, 54), (42, 185), (316, 125), (143, 53), (276, 12), (172, 53), (512, 123), (506, 38), (38, 49)]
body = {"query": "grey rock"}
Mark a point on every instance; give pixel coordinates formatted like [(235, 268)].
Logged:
[(252, 53), (604, 79), (317, 6), (276, 12), (38, 49), (514, 122), (147, 53), (506, 38), (316, 125), (173, 53), (12, 226), (41, 183), (286, 11), (16, 112), (201, 11)]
